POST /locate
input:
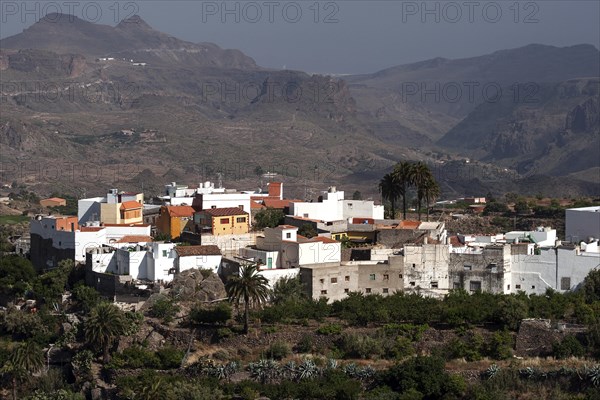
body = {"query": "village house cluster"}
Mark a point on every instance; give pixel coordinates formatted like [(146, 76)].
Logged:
[(126, 243)]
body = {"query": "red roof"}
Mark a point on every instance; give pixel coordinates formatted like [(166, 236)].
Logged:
[(256, 206), (128, 205), (223, 212), (276, 203), (406, 224), (91, 228), (54, 199), (286, 227), (180, 211), (134, 239), (209, 250)]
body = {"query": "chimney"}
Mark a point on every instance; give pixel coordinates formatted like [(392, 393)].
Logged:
[(276, 190)]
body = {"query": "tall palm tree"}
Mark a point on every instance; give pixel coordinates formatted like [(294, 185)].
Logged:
[(420, 175), (250, 287), (402, 175), (104, 325), (25, 360), (430, 190), (390, 190)]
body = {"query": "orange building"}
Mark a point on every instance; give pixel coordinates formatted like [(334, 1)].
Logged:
[(173, 220), (53, 202), (223, 221), (68, 224)]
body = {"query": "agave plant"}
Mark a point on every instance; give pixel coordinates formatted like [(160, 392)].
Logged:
[(331, 364), (289, 370), (264, 370), (527, 373), (366, 373), (307, 369), (491, 371), (350, 369), (594, 375)]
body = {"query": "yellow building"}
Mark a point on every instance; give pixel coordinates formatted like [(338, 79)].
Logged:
[(223, 221), (173, 220), (122, 208)]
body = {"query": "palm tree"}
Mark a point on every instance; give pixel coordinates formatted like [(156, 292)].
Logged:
[(402, 175), (420, 175), (104, 325), (390, 190), (25, 360), (430, 191), (250, 287)]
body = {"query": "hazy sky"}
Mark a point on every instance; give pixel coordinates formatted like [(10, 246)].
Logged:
[(341, 36)]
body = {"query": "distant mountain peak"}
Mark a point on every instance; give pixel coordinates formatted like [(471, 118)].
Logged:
[(134, 22), (60, 18)]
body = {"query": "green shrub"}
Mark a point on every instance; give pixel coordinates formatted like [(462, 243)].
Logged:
[(569, 347), (500, 346), (165, 309), (170, 357), (278, 350), (217, 315), (224, 333), (305, 345), (359, 346), (329, 329)]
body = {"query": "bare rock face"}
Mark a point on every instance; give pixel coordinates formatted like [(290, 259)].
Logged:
[(196, 285), (584, 117), (10, 137)]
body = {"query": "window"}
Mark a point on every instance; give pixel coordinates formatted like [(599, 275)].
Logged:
[(412, 284), (240, 219), (164, 253), (517, 286), (368, 290), (288, 235), (349, 205), (337, 237), (321, 280), (475, 286), (213, 207), (346, 290), (347, 278), (323, 292), (414, 265), (507, 287), (400, 276), (565, 283), (333, 280), (372, 277), (533, 286), (434, 284), (386, 277), (386, 290), (467, 268), (305, 215), (224, 220), (456, 286)]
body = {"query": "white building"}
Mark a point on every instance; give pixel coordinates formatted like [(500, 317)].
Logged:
[(542, 236), (333, 207), (206, 196), (55, 238), (282, 247), (155, 261), (582, 224)]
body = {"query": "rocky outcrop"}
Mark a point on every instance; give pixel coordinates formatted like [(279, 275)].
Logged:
[(196, 285), (584, 117)]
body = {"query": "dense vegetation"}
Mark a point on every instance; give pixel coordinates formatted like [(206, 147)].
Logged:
[(362, 347)]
